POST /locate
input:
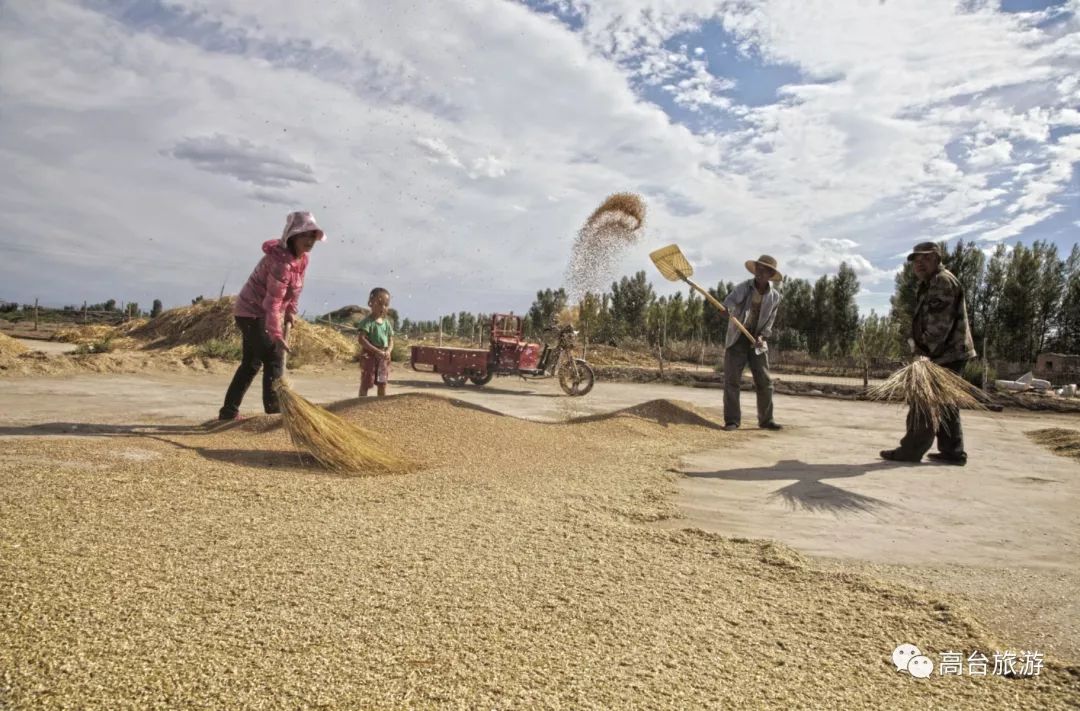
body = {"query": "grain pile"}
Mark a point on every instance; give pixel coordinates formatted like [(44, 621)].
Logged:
[(1062, 442), (612, 227), (219, 570)]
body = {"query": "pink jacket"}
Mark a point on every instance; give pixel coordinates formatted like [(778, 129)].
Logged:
[(274, 287)]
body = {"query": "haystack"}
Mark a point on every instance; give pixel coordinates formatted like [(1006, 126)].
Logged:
[(213, 320), (314, 343), (9, 347), (191, 325)]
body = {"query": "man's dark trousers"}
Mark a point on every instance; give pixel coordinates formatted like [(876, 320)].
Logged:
[(735, 360), (920, 433)]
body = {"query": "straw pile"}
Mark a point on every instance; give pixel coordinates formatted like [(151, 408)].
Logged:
[(315, 343), (928, 389), (611, 228), (93, 334), (85, 334), (337, 444), (191, 325), (9, 347), (213, 320), (1060, 441)]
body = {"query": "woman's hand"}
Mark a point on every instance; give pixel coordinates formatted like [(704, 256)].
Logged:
[(289, 319), (281, 347)]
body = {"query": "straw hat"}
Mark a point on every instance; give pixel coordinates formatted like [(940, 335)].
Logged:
[(765, 261)]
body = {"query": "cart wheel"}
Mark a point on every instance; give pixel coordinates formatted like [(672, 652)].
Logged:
[(576, 384), (483, 380), (455, 381)]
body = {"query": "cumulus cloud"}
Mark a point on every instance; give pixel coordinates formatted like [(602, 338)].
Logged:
[(465, 132), (243, 160)]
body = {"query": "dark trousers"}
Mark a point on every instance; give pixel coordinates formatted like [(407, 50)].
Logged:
[(258, 354), (920, 433), (735, 360)]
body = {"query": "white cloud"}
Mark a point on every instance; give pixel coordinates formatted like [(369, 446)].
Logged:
[(446, 138)]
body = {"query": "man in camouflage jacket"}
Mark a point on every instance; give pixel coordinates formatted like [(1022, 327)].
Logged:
[(939, 332)]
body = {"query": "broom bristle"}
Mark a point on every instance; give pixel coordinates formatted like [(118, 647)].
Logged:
[(335, 443), (928, 389)]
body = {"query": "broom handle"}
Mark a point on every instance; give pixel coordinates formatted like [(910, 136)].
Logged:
[(712, 300), (285, 354)]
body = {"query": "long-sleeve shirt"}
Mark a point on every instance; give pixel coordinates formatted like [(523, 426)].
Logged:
[(740, 302)]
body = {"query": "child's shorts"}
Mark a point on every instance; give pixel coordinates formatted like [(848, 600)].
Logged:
[(373, 371)]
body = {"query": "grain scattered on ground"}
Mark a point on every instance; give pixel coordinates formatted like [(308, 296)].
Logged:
[(170, 567), (1060, 441)]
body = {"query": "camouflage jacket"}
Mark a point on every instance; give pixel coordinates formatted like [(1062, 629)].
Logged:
[(939, 326)]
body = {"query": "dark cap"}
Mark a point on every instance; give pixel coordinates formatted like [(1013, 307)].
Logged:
[(926, 248)]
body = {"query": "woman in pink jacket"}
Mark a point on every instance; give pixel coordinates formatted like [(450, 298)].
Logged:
[(265, 305)]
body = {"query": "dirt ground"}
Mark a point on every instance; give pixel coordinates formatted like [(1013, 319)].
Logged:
[(153, 565)]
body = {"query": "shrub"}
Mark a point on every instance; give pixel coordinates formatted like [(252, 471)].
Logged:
[(222, 348), (973, 373), (104, 345)]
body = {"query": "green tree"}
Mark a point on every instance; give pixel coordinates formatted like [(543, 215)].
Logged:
[(1051, 289), (844, 312), (877, 339), (630, 299), (546, 308), (1068, 334), (795, 315), (1019, 306), (715, 321), (819, 328), (988, 302), (902, 302)]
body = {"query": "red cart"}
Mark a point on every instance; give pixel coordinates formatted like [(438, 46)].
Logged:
[(509, 353)]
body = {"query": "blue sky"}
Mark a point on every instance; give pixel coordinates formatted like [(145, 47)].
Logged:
[(451, 150)]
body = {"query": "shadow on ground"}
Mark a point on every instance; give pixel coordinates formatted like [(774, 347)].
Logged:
[(809, 492)]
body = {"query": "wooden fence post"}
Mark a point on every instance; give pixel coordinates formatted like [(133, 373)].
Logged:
[(35, 313)]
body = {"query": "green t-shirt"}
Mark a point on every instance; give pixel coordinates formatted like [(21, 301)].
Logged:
[(379, 334)]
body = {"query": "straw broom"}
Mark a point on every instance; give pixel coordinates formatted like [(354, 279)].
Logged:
[(928, 389), (335, 443)]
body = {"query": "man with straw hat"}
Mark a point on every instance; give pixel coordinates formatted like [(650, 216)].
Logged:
[(940, 333), (754, 302)]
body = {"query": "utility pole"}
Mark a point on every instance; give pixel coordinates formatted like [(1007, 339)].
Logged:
[(35, 313)]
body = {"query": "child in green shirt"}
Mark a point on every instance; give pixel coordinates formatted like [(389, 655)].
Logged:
[(377, 343)]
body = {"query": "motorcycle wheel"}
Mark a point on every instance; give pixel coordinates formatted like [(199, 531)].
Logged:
[(484, 380), (579, 385)]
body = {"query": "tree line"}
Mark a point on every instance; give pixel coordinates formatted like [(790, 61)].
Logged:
[(1021, 300)]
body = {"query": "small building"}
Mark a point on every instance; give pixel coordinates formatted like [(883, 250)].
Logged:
[(1059, 368)]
